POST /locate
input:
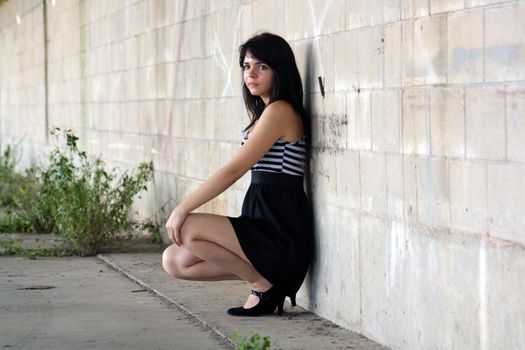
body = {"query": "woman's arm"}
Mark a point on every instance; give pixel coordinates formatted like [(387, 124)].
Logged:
[(271, 126)]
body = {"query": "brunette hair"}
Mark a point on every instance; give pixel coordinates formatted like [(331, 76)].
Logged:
[(278, 55)]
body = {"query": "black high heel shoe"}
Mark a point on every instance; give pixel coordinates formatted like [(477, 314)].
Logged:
[(268, 301), (292, 300)]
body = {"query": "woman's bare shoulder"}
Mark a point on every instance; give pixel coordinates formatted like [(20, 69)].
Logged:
[(281, 106), (280, 110)]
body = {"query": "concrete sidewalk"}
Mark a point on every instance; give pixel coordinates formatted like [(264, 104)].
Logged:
[(81, 303), (207, 303), (103, 303)]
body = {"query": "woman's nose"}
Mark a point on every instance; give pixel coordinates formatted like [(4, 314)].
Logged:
[(250, 72)]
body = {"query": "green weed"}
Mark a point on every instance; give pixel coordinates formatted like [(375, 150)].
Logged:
[(255, 342), (75, 198)]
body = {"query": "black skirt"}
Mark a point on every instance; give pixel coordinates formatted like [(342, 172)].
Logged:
[(275, 229)]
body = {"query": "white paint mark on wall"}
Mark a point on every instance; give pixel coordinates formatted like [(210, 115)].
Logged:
[(317, 20), (221, 60)]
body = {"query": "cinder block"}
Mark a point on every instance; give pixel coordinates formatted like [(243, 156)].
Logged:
[(407, 53), (430, 50), (370, 58), (324, 177), (414, 8), (373, 278), (485, 123), (359, 121), (516, 122), (315, 58), (392, 11), (348, 171), (228, 29), (502, 309), (416, 122), (363, 13), (324, 17), (270, 16), (346, 62), (315, 109), (447, 121), (401, 187), (433, 191), (359, 59), (151, 48), (196, 119), (332, 123), (141, 50), (468, 196), (227, 68), (385, 117), (505, 43), (246, 30), (465, 47), (479, 3), (195, 164), (393, 55), (440, 6), (373, 183), (326, 218), (506, 208), (345, 269), (294, 24), (226, 126)]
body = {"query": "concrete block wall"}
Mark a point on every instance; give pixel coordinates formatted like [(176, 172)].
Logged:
[(22, 77), (417, 170)]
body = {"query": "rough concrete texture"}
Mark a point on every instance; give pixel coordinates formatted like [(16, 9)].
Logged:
[(417, 148), (81, 303), (207, 302)]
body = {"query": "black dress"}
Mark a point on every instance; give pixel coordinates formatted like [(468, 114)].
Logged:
[(275, 228)]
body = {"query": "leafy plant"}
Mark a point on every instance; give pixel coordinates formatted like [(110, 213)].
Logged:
[(17, 194), (89, 205), (74, 197), (255, 342)]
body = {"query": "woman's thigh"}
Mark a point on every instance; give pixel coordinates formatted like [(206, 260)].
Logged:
[(213, 228)]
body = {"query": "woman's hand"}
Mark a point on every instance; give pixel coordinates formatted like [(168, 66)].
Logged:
[(174, 224)]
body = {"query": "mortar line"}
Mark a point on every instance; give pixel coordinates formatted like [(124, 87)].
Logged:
[(166, 299)]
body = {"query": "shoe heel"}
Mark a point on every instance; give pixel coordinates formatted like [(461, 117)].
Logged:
[(280, 304), (292, 299)]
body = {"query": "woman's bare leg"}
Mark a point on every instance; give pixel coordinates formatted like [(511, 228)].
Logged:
[(211, 238), (181, 263)]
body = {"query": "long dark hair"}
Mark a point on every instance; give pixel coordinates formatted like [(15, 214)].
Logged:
[(278, 55)]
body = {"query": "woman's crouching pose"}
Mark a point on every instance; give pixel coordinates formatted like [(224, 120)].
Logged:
[(270, 244)]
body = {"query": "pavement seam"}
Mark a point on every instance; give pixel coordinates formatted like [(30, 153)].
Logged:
[(166, 299)]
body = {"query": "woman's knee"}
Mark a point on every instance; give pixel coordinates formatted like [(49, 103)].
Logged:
[(170, 262)]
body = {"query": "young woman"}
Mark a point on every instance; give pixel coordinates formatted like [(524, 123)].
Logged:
[(270, 245)]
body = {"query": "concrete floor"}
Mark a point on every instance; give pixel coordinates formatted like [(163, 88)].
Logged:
[(122, 299), (81, 303)]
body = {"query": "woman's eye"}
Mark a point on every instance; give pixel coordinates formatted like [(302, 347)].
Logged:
[(261, 68), (245, 67)]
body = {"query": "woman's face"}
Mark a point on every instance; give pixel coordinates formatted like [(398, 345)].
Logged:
[(258, 77)]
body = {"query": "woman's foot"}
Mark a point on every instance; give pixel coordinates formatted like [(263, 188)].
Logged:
[(267, 303), (260, 286)]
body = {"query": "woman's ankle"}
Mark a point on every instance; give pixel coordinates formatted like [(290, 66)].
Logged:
[(261, 286)]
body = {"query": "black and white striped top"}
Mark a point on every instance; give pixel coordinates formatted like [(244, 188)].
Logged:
[(284, 157)]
